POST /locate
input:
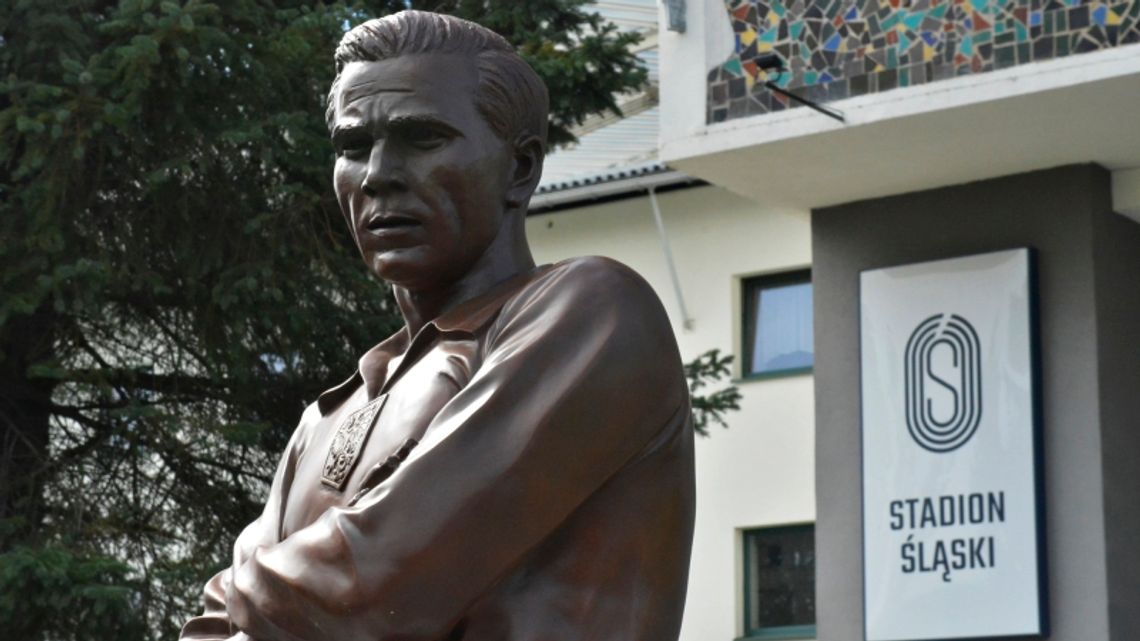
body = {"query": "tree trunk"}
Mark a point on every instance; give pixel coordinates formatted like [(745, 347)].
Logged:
[(24, 420)]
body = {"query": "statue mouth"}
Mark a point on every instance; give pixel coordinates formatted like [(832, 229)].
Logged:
[(392, 222)]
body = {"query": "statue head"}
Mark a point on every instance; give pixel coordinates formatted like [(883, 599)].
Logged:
[(440, 131), (511, 96)]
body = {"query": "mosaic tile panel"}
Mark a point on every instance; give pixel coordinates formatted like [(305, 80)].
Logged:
[(834, 49)]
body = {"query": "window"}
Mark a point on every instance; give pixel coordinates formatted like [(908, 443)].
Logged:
[(777, 325), (779, 582)]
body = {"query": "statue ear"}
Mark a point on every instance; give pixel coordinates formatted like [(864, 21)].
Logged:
[(526, 169)]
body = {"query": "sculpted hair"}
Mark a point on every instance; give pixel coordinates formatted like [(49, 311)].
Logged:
[(511, 97)]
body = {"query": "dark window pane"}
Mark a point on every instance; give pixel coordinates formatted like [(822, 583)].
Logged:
[(778, 323), (779, 577)]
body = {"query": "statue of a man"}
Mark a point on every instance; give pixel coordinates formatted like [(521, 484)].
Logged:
[(516, 464)]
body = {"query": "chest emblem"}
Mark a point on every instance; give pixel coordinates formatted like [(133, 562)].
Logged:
[(347, 443)]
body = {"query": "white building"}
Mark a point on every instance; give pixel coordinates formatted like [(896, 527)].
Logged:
[(970, 126)]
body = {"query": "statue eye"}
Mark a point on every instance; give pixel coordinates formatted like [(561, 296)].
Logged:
[(356, 146), (423, 136)]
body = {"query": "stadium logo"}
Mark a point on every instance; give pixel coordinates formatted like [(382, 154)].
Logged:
[(943, 382)]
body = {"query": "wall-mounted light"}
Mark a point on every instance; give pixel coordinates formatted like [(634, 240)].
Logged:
[(773, 62), (676, 11)]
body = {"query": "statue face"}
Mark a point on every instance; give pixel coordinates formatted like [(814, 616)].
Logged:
[(420, 175)]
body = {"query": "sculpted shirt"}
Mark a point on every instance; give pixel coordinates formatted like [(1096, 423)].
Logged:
[(520, 470)]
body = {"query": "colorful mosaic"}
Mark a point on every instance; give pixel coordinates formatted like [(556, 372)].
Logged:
[(834, 49)]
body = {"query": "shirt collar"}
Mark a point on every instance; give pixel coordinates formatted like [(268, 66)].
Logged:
[(466, 318)]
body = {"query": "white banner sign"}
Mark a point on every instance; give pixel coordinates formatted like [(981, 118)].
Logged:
[(951, 498)]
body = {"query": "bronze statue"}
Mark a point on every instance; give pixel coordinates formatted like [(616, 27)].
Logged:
[(516, 464)]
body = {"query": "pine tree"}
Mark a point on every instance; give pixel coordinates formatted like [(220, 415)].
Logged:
[(177, 282)]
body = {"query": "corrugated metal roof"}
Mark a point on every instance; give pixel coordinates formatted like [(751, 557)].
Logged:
[(625, 147), (650, 58), (617, 173), (629, 141), (616, 183), (629, 15)]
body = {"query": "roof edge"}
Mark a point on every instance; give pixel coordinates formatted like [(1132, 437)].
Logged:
[(605, 187)]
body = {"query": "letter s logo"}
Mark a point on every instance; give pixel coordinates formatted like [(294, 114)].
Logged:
[(943, 382)]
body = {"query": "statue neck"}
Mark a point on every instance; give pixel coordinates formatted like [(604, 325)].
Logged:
[(501, 261)]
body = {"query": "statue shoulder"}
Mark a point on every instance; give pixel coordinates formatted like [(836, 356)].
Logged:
[(605, 279), (592, 296)]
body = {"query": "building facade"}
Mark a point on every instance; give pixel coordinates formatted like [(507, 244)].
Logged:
[(963, 127)]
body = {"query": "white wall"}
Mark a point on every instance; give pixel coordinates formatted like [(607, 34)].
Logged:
[(1126, 192), (759, 471)]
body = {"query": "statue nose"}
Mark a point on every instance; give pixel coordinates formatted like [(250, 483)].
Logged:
[(385, 170)]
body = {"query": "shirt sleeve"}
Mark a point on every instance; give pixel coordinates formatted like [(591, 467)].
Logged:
[(581, 375), (214, 623)]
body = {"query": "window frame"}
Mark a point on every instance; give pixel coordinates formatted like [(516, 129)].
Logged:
[(803, 631), (748, 321)]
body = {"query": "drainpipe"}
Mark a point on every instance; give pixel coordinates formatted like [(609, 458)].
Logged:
[(686, 320)]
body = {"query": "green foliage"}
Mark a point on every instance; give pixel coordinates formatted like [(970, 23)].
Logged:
[(704, 371), (56, 593), (583, 60), (177, 281)]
